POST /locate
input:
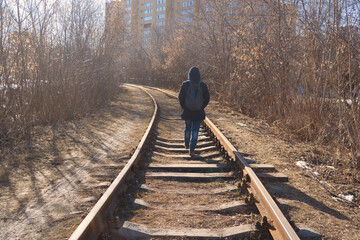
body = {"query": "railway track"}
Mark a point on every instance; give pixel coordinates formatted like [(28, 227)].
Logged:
[(162, 192)]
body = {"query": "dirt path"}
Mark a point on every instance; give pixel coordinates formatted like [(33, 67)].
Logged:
[(47, 191)]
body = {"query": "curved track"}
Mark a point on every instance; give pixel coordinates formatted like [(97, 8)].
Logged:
[(169, 194)]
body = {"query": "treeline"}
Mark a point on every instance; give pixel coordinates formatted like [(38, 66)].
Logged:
[(54, 64), (293, 63)]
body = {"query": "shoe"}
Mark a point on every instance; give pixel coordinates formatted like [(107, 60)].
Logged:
[(186, 146), (192, 152)]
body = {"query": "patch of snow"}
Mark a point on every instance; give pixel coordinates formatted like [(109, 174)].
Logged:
[(316, 174), (302, 164), (221, 119), (348, 197), (15, 86), (331, 167), (349, 101), (75, 212), (241, 124)]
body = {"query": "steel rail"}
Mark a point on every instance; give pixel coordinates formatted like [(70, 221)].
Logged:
[(93, 224), (280, 227)]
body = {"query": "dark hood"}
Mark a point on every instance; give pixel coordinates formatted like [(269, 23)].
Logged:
[(194, 75)]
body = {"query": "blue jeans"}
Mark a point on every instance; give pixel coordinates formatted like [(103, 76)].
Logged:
[(191, 129)]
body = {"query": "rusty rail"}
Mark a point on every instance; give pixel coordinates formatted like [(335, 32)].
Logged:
[(94, 223), (279, 228)]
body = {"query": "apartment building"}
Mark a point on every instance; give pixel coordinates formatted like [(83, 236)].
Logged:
[(144, 18)]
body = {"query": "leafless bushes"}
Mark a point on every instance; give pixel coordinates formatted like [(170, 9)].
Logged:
[(294, 63), (54, 64)]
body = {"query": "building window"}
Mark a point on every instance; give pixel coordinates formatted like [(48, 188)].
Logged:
[(160, 1), (188, 3), (161, 15), (128, 9), (160, 23), (161, 30), (147, 39), (128, 2), (147, 32), (147, 25), (187, 19), (128, 21), (148, 4), (147, 18), (147, 11), (160, 9), (188, 11)]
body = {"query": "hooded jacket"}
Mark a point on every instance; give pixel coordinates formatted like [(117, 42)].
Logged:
[(194, 77)]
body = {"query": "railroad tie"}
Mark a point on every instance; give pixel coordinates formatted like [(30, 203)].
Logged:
[(182, 150), (202, 144), (132, 230), (181, 140)]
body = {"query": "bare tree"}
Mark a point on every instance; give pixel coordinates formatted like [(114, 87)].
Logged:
[(54, 62)]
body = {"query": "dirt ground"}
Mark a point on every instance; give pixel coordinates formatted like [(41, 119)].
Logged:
[(47, 190)]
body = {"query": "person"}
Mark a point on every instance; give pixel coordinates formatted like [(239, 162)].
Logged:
[(193, 118)]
